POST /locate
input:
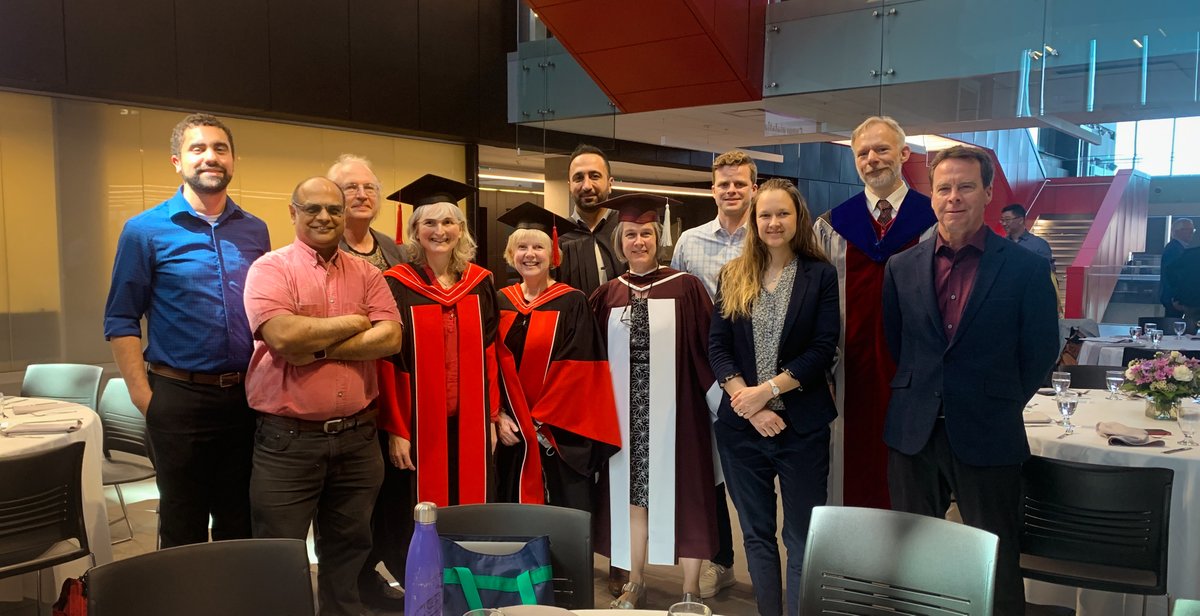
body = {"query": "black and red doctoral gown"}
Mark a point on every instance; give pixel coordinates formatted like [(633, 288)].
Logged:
[(859, 247), (412, 396), (555, 379), (683, 397)]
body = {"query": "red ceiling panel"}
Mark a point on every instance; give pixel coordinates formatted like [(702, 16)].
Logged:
[(664, 54)]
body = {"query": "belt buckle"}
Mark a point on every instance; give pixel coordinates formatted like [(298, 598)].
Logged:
[(234, 379), (337, 426)]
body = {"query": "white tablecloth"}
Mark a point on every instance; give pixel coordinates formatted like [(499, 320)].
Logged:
[(94, 508), (1183, 566), (1110, 351)]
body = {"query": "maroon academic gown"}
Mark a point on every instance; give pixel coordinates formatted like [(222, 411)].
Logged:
[(682, 391), (413, 389), (868, 364), (552, 354)]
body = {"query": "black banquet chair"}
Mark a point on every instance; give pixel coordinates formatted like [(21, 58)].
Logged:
[(570, 532), (871, 562), (1089, 377), (1095, 526), (240, 577), (41, 511)]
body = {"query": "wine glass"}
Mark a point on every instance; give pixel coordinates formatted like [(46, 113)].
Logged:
[(1113, 379), (1180, 327), (1061, 381), (1135, 332), (1155, 337), (1189, 421), (689, 608), (1067, 401)]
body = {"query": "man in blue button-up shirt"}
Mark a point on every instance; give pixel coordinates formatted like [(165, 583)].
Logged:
[(182, 265)]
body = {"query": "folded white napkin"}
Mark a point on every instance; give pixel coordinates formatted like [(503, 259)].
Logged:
[(1120, 434), (41, 427), (1036, 417), (33, 406)]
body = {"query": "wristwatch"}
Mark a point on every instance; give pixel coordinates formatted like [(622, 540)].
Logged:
[(319, 354), (774, 387)]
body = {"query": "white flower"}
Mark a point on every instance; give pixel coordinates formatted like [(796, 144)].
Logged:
[(1175, 355), (1182, 373), (1130, 374)]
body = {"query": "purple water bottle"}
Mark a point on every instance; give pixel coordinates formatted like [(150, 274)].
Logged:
[(423, 573)]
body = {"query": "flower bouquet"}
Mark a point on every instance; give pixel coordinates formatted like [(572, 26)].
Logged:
[(1165, 381)]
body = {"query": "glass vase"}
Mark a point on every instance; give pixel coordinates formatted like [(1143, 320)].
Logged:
[(1165, 409)]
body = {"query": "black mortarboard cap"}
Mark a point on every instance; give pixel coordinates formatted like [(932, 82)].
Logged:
[(429, 189), (532, 216)]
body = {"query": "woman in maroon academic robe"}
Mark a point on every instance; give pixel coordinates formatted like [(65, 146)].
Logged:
[(660, 485), (553, 442)]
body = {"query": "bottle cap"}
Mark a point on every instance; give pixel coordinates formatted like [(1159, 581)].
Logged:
[(425, 513)]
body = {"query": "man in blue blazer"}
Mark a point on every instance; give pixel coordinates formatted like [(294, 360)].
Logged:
[(972, 323)]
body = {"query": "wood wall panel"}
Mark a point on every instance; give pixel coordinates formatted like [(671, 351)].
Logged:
[(124, 49), (310, 58), (223, 52), (31, 43), (384, 84)]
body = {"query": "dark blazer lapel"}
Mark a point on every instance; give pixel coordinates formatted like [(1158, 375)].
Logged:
[(799, 287), (990, 263), (925, 254)]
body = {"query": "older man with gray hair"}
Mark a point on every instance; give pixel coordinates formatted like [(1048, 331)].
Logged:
[(360, 185)]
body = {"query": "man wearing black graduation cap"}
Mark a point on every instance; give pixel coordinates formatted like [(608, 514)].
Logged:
[(589, 256), (552, 351)]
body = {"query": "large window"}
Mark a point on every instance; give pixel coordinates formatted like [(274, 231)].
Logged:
[(1168, 146)]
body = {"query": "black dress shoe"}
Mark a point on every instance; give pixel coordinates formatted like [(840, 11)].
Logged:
[(375, 591)]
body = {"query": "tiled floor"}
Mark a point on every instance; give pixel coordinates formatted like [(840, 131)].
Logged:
[(664, 582)]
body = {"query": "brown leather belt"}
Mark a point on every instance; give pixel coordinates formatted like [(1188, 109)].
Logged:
[(228, 379), (336, 425)]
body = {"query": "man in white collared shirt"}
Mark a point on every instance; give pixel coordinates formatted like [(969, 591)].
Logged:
[(859, 236), (702, 251)]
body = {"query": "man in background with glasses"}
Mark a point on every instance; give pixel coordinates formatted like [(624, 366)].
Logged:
[(353, 174), (391, 523), (320, 320), (1012, 219), (182, 265)]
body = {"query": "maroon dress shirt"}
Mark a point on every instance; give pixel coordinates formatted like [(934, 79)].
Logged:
[(954, 277)]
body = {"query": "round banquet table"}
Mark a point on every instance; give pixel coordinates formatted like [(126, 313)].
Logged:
[(94, 507), (1110, 351), (1183, 560)]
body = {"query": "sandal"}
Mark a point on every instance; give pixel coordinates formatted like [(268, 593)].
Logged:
[(632, 598)]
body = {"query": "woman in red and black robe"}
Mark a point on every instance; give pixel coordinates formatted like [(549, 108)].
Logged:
[(553, 443)]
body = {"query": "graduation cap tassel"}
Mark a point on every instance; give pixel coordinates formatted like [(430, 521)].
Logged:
[(555, 255), (667, 226), (399, 223)]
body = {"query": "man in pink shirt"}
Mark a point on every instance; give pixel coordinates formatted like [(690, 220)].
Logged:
[(320, 318)]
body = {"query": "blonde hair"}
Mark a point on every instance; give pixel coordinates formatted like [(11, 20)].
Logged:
[(616, 239), (885, 120), (741, 278), (463, 252), (735, 158), (524, 235)]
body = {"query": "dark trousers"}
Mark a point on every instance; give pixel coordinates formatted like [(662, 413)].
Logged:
[(724, 555), (564, 486), (989, 497), (202, 437), (752, 463), (330, 481), (392, 520)]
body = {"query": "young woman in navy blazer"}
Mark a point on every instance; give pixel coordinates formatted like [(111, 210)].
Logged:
[(774, 335)]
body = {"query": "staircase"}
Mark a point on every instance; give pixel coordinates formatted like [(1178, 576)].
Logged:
[(1065, 233)]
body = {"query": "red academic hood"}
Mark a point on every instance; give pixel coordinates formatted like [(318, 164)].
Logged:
[(664, 54)]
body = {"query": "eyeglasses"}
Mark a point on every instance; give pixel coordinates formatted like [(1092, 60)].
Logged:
[(1005, 221), (370, 189), (314, 209)]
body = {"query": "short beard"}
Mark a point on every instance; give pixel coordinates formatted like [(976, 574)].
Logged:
[(585, 207), (200, 187), (881, 181)]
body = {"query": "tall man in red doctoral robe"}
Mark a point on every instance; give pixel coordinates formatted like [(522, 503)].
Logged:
[(860, 235)]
